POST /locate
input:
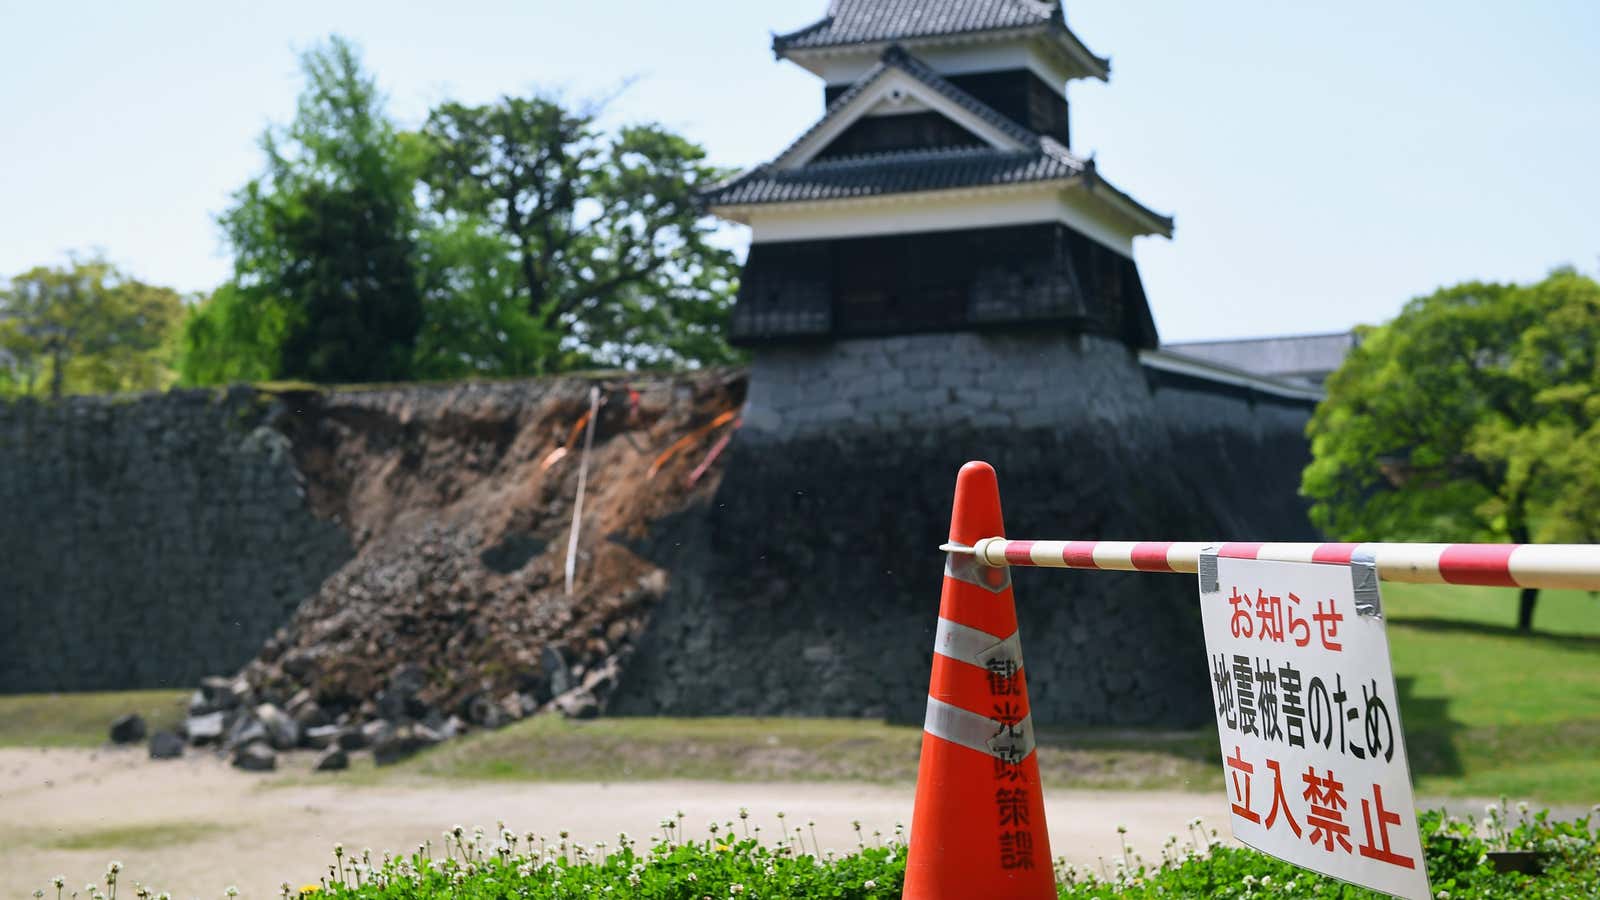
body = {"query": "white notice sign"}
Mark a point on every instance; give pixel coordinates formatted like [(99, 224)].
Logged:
[(1309, 722)]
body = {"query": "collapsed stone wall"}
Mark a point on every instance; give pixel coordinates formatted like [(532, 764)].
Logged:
[(147, 541), (155, 540), (811, 585)]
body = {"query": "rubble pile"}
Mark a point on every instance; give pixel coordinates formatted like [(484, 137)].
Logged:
[(453, 614)]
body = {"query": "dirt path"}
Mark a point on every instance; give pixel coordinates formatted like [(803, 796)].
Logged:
[(194, 826)]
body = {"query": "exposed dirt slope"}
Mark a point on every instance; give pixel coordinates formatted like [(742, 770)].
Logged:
[(453, 612)]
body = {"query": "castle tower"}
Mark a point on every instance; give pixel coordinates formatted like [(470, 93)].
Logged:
[(934, 276), (938, 194)]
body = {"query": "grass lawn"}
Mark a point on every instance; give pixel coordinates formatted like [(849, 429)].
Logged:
[(794, 750), (81, 720), (1486, 711), (123, 838)]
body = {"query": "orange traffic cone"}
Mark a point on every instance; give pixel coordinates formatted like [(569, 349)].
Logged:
[(978, 828)]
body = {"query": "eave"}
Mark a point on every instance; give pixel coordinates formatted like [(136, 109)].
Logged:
[(741, 212), (1143, 221)]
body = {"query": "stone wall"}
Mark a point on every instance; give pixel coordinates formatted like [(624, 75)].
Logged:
[(811, 584), (148, 541), (961, 380)]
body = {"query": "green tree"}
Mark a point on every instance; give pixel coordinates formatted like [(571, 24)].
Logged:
[(231, 337), (602, 236), (326, 283), (1473, 416), (474, 321), (86, 328)]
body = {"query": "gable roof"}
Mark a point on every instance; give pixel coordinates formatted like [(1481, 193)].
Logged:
[(1031, 158), (865, 22), (847, 108)]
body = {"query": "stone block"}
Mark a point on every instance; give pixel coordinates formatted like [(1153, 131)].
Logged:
[(129, 729), (255, 757)]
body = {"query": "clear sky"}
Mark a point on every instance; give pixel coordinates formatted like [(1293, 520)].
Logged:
[(1325, 161)]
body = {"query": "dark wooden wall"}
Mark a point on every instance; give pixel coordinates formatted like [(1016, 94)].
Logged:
[(940, 281)]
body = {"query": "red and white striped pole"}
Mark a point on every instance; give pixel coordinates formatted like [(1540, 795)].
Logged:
[(1574, 566)]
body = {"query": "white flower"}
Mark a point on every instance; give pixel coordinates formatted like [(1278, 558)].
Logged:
[(1443, 895), (736, 888), (693, 877), (869, 884)]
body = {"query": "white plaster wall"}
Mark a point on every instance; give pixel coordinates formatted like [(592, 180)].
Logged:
[(941, 211)]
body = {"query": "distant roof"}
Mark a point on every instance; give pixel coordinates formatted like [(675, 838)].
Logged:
[(851, 22), (1041, 158), (1308, 357)]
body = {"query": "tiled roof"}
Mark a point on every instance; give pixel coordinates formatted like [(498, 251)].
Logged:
[(856, 22), (872, 21), (1042, 158), (895, 173)]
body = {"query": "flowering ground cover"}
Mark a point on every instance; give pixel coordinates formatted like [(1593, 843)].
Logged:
[(729, 860)]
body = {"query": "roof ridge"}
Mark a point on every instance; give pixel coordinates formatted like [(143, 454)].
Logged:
[(1299, 336)]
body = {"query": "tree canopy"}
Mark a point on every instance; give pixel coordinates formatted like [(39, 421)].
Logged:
[(600, 236), (326, 283), (85, 328), (510, 238), (1473, 416)]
